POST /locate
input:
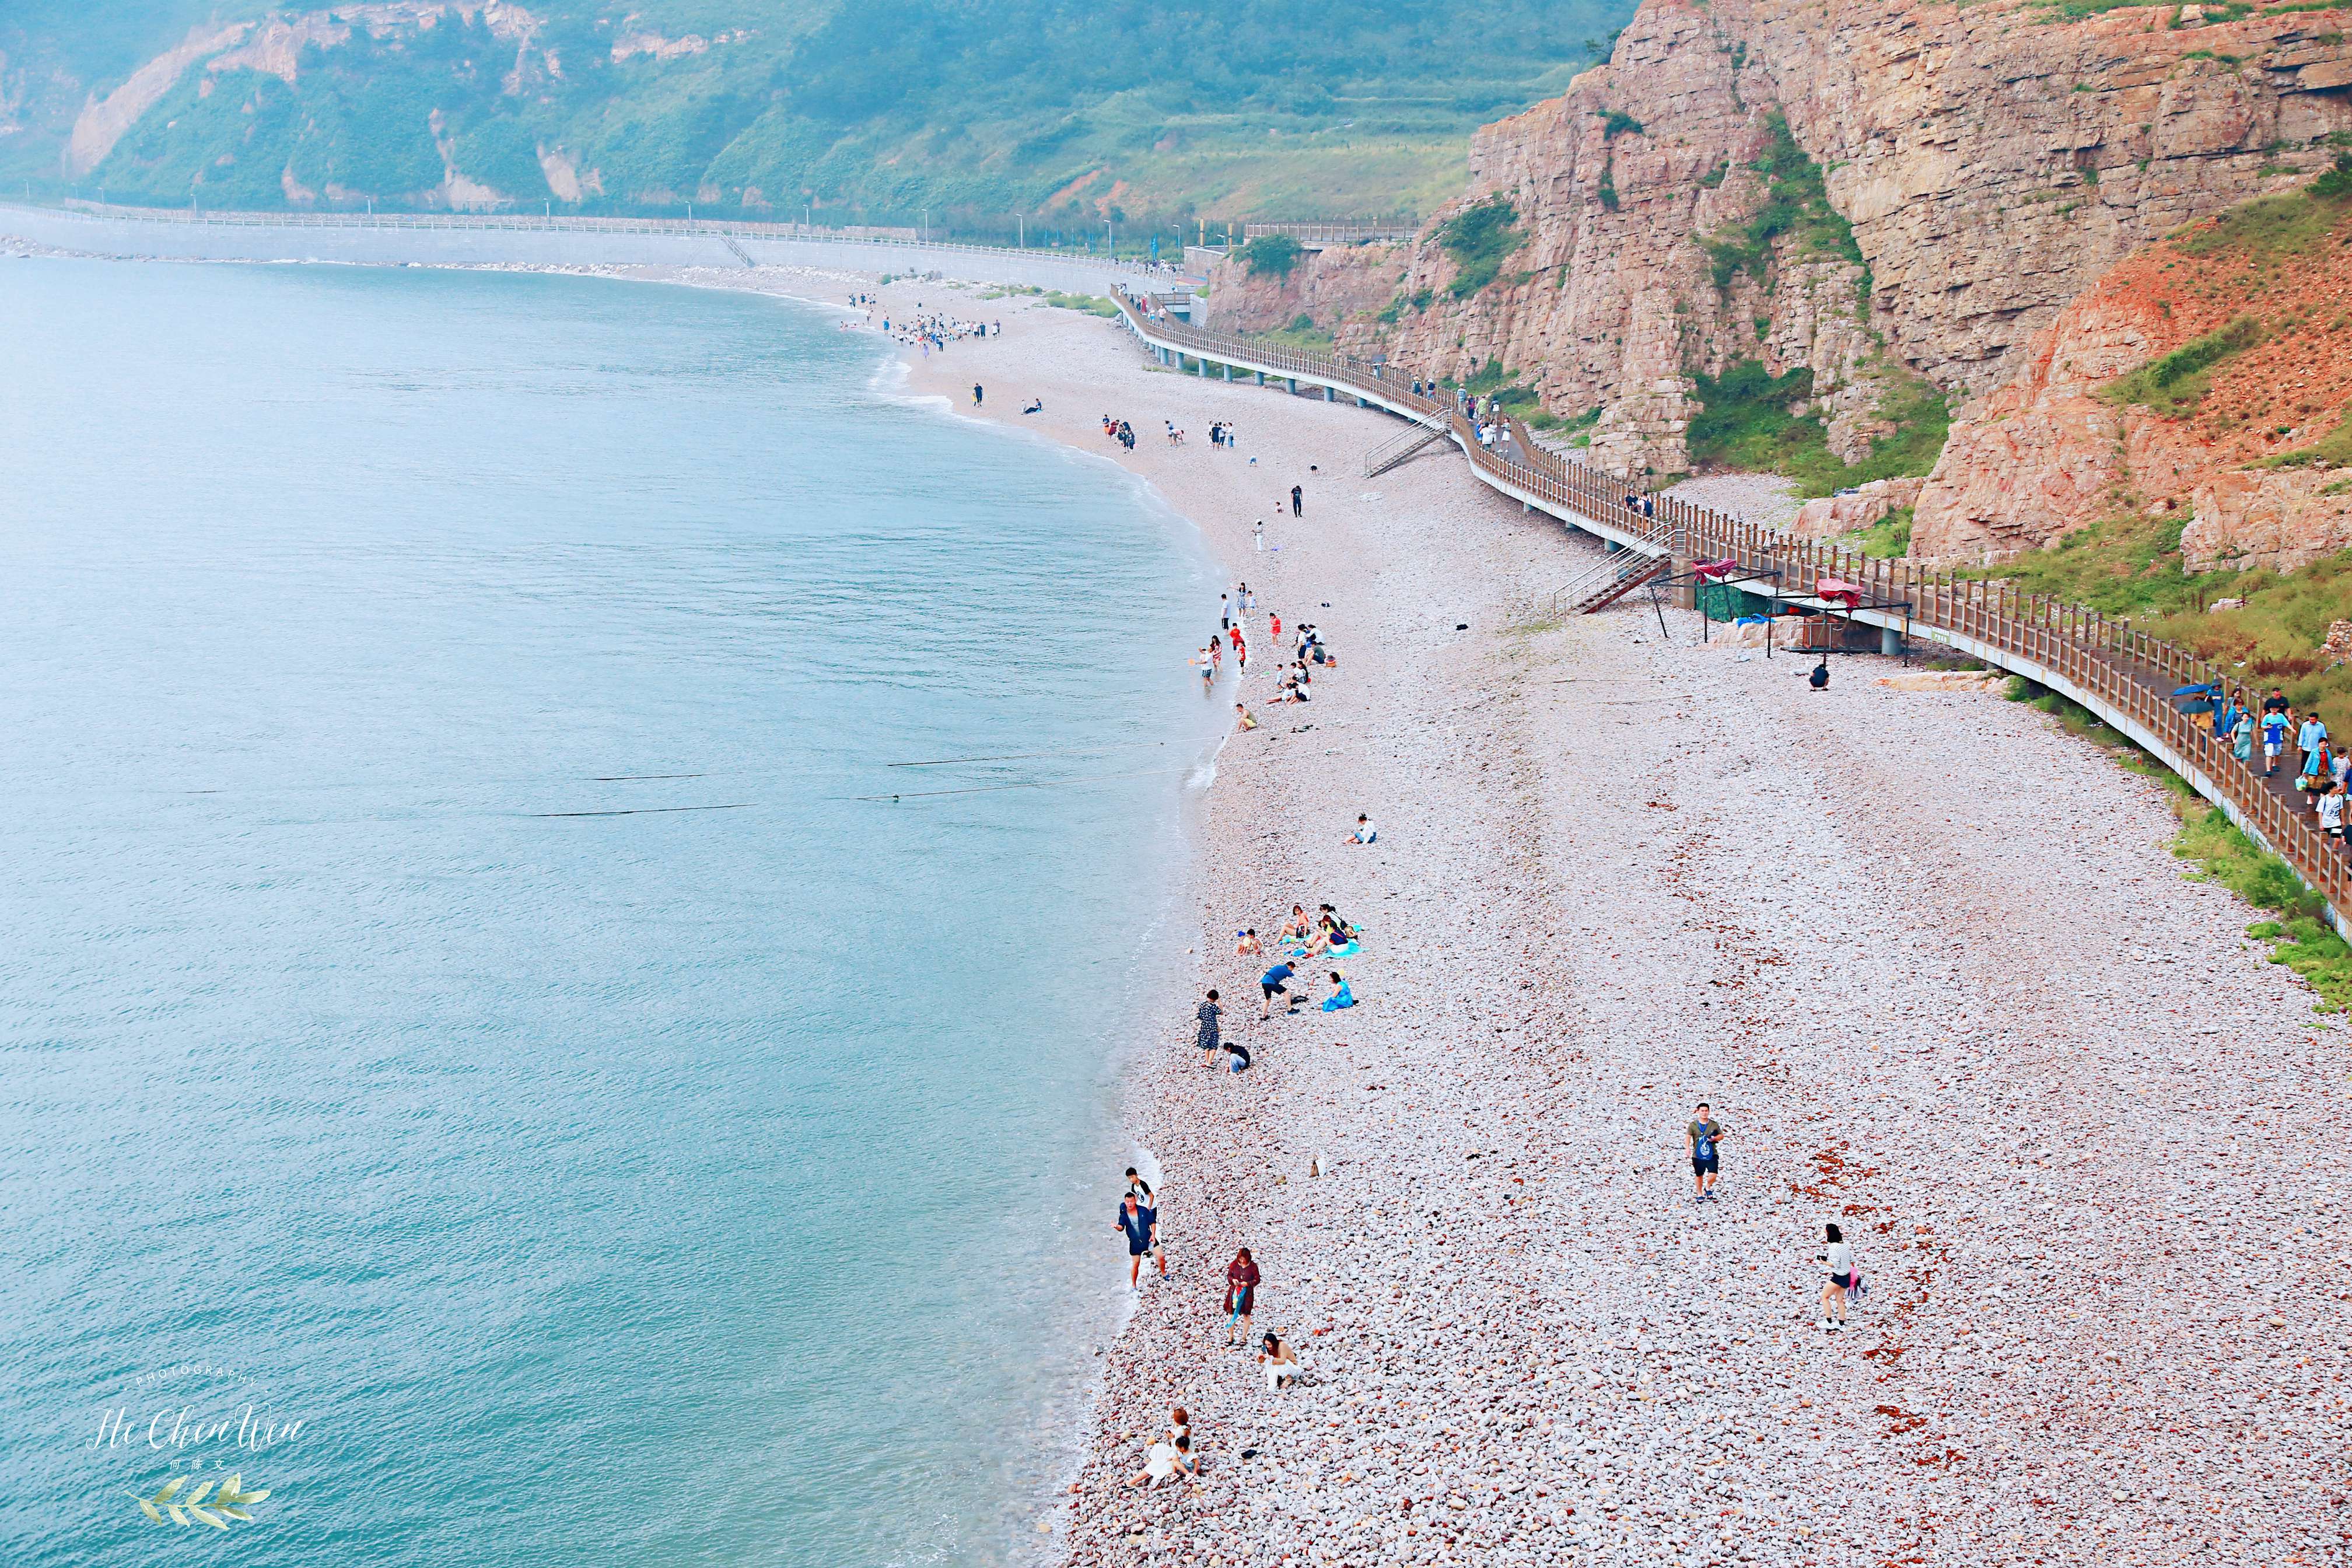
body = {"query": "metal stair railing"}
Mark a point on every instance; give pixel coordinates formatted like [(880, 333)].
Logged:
[(1427, 430)]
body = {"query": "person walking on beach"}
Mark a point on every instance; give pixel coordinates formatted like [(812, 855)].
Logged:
[(1702, 1136), (1241, 1294), (1224, 612), (1209, 1013), (1258, 535), (1241, 649), (1839, 1259), (1297, 501), (1274, 631), (975, 394), (1140, 1225)]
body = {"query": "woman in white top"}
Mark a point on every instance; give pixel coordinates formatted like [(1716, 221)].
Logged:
[(1838, 1257), (1170, 1456)]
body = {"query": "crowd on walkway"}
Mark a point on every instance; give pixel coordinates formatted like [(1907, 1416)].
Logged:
[(2279, 729)]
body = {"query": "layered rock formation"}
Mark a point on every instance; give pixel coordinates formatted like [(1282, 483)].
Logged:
[(1979, 167), (2230, 440)]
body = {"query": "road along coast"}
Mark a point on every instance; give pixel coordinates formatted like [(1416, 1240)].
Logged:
[(1931, 962)]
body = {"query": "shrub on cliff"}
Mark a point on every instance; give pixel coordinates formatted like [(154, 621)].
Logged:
[(2174, 384), (1270, 256), (1478, 238)]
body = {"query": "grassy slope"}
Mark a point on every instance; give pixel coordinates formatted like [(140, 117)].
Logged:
[(2300, 937), (1065, 112)]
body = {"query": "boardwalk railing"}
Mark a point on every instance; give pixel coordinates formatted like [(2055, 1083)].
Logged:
[(1336, 231), (2111, 667)]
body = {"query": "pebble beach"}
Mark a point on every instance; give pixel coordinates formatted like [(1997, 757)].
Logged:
[(1931, 962)]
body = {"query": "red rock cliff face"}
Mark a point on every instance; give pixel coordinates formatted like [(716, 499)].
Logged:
[(1992, 165)]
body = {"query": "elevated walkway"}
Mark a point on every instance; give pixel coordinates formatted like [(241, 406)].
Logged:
[(2111, 668)]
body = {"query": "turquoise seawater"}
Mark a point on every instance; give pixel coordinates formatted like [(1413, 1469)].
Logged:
[(459, 994)]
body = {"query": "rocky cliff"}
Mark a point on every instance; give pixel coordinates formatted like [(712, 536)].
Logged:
[(1862, 201), (2205, 380)]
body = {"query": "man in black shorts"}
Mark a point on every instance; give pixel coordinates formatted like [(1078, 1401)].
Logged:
[(1274, 982), (1702, 1135)]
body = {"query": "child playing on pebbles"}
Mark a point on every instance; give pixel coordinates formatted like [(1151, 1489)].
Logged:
[(1365, 832), (1165, 1462)]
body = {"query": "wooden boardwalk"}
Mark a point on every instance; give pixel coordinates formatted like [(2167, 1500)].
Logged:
[(2120, 673)]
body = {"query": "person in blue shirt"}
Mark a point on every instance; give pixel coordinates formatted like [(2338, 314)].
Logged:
[(2274, 740), (2306, 741), (1140, 1225), (1274, 982)]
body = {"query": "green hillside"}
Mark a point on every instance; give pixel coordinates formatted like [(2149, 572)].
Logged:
[(970, 111)]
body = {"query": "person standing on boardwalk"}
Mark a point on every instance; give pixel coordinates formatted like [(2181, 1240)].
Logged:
[(2307, 741), (1139, 1224), (1241, 1292), (1208, 1012), (2273, 738), (1297, 501), (1702, 1136)]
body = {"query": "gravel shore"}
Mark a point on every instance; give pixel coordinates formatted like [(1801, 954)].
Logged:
[(1931, 962)]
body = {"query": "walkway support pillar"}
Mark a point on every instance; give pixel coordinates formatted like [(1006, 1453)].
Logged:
[(1261, 378), (1294, 386), (1229, 372), (1890, 641), (1329, 397)]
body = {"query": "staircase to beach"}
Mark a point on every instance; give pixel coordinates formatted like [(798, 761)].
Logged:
[(2110, 667)]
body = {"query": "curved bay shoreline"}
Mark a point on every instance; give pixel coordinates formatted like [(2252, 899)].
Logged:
[(1930, 960)]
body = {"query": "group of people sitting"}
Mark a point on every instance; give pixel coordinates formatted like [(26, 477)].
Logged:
[(1299, 942)]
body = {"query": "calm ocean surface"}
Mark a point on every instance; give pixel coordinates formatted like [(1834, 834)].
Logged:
[(684, 1186)]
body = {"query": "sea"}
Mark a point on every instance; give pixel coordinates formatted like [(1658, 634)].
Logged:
[(578, 873)]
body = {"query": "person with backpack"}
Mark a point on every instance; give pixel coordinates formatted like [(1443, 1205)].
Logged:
[(1702, 1136), (1843, 1277)]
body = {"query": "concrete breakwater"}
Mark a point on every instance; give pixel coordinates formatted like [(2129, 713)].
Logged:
[(459, 241)]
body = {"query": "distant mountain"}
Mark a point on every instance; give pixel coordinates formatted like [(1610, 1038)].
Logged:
[(1064, 111)]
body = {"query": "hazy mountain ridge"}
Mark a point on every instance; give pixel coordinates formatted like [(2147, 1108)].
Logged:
[(1058, 110)]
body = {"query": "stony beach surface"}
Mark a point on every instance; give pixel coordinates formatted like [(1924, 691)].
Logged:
[(1931, 960)]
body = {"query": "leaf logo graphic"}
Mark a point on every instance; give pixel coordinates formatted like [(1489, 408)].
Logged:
[(208, 1504)]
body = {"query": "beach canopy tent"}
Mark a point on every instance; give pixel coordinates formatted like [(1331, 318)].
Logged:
[(1838, 591)]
